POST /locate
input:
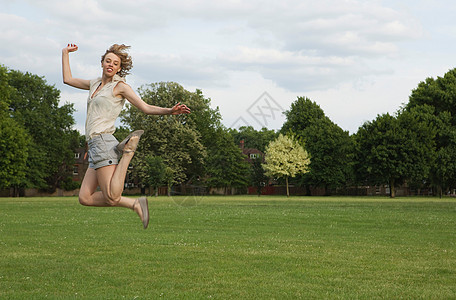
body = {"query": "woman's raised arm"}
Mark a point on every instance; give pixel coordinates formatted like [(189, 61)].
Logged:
[(66, 70)]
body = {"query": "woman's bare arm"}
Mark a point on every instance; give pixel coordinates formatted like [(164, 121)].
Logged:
[(66, 70), (124, 90)]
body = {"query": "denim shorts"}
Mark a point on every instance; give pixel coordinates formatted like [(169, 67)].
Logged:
[(103, 151)]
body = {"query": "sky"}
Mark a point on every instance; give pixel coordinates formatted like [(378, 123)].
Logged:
[(356, 59)]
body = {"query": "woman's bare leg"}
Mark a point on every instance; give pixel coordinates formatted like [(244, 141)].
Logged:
[(111, 180), (89, 196)]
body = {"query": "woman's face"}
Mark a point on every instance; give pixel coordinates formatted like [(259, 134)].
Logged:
[(111, 64)]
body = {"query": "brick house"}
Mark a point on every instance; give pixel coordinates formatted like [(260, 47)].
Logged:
[(251, 153)]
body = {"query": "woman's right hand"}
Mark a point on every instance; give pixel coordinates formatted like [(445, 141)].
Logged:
[(70, 48)]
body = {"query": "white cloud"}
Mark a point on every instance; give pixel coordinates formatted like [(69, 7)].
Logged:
[(179, 68), (296, 71)]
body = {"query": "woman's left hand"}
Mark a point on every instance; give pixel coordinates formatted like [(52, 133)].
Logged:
[(180, 109)]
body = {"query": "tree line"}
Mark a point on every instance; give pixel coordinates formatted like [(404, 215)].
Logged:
[(416, 145), (37, 141)]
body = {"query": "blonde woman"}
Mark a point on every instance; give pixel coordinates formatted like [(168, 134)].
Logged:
[(109, 159)]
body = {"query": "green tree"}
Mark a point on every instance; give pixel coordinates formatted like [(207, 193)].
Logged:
[(169, 179), (257, 174), (226, 166), (419, 124), (285, 158), (5, 92), (443, 171), (379, 151), (391, 150), (203, 118), (440, 93), (34, 105), (13, 139), (253, 138), (13, 146), (156, 172), (331, 148), (175, 139)]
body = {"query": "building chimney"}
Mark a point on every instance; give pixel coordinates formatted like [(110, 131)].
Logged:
[(242, 145)]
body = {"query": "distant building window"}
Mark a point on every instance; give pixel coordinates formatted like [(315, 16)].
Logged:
[(75, 170), (76, 155), (254, 155)]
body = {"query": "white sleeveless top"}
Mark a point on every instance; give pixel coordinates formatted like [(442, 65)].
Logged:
[(103, 109)]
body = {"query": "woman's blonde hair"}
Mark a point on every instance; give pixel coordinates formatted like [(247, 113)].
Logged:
[(125, 59)]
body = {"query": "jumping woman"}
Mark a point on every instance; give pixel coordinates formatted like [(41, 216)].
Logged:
[(109, 159)]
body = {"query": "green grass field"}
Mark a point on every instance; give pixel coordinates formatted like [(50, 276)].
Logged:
[(237, 247)]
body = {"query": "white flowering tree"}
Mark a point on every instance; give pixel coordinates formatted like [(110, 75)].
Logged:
[(284, 158)]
